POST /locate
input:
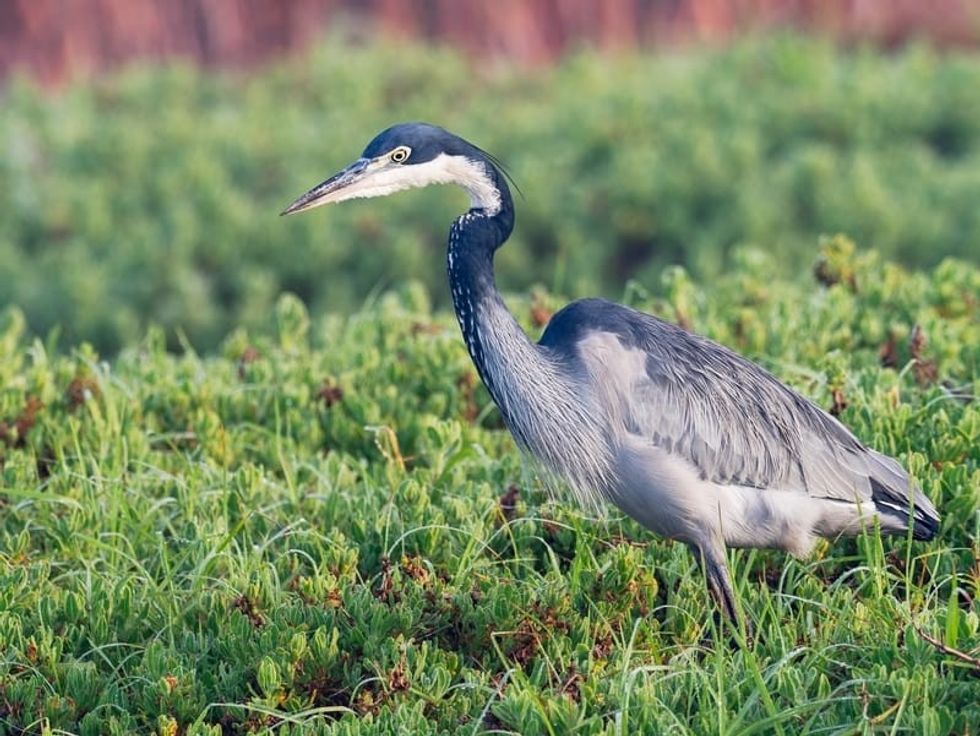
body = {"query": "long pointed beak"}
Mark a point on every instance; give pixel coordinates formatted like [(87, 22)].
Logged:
[(329, 190)]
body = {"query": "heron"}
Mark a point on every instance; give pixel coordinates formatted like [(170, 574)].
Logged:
[(693, 441)]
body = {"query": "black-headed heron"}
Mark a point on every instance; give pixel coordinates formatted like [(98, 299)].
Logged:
[(687, 437)]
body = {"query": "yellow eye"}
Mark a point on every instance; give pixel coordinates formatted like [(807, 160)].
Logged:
[(400, 154)]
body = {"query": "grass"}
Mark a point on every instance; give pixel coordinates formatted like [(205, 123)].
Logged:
[(323, 529), (151, 195)]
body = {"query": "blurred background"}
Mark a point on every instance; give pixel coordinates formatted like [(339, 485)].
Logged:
[(147, 146)]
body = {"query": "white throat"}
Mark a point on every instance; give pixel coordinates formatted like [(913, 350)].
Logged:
[(470, 175), (443, 169)]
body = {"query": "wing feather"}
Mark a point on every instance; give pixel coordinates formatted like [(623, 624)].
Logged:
[(731, 419), (737, 423)]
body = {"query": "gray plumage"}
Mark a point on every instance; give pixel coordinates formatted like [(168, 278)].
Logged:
[(733, 421), (693, 441)]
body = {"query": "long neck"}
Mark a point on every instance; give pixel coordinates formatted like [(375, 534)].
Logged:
[(496, 343), (492, 335), (544, 409)]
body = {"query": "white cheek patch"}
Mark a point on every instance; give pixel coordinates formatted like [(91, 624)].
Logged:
[(443, 169), (470, 175)]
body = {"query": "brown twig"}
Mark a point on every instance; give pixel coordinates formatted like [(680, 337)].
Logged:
[(974, 662)]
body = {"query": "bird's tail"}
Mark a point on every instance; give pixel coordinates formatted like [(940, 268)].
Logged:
[(894, 493)]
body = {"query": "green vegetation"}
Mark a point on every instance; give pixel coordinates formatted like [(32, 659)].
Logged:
[(319, 526), (151, 196), (322, 529)]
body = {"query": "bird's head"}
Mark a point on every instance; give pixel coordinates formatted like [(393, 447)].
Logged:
[(412, 155)]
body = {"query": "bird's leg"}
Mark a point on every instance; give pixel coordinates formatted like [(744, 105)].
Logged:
[(711, 559)]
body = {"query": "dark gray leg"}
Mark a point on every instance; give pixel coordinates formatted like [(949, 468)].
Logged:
[(711, 559)]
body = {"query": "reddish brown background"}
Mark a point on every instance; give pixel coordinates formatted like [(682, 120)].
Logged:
[(58, 39)]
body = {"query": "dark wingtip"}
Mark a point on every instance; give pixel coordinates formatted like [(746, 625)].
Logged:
[(924, 528), (917, 513)]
